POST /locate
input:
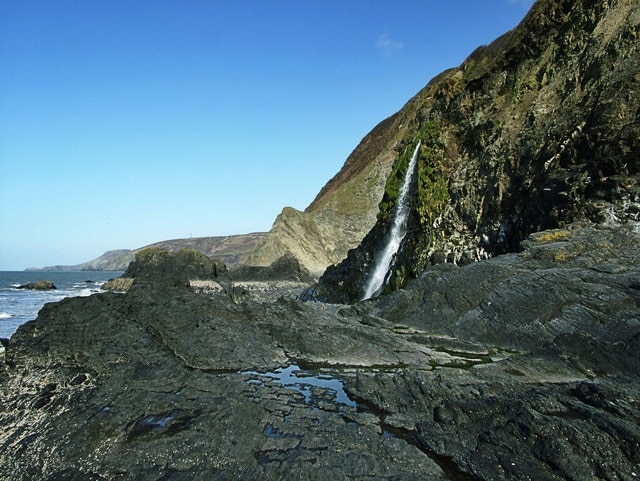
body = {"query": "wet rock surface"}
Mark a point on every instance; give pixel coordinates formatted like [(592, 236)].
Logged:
[(524, 366)]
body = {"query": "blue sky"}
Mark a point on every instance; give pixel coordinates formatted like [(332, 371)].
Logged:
[(123, 123)]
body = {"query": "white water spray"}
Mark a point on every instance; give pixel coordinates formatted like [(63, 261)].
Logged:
[(399, 229)]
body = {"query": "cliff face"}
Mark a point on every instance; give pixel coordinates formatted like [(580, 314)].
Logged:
[(342, 212), (535, 131)]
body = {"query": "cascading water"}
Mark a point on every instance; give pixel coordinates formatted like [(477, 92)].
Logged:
[(399, 229)]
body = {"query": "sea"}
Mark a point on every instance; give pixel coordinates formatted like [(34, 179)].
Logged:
[(18, 306)]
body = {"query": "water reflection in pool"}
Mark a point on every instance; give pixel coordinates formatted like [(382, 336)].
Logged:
[(302, 381)]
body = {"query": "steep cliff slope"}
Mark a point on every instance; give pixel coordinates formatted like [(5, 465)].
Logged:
[(342, 212), (513, 144), (537, 130)]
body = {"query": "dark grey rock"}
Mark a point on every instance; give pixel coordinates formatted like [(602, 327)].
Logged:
[(522, 365), (285, 268), (155, 264)]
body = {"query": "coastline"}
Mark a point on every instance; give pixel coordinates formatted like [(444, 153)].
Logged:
[(19, 306)]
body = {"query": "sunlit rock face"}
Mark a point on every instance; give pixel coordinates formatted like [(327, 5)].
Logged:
[(537, 130), (343, 211)]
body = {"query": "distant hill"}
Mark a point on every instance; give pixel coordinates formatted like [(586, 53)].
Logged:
[(232, 250), (115, 260)]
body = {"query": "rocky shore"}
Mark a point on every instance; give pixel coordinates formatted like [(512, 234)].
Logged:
[(524, 366), (506, 346)]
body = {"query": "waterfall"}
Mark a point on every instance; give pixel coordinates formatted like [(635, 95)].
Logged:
[(385, 257)]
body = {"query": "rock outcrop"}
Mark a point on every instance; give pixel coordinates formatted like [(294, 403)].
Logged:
[(522, 366), (154, 263), (158, 265), (191, 268), (286, 268), (38, 286)]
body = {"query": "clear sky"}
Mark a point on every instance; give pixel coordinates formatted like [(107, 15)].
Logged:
[(126, 122)]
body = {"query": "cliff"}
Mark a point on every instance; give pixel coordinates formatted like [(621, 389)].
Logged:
[(513, 146), (537, 130), (343, 211)]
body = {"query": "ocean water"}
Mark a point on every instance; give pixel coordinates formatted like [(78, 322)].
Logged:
[(18, 306)]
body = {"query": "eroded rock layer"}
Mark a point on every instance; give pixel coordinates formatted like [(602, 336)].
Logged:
[(525, 365)]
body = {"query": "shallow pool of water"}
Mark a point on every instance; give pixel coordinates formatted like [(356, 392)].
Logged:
[(302, 381)]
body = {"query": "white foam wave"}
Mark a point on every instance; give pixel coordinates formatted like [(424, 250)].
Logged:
[(4, 315), (86, 292)]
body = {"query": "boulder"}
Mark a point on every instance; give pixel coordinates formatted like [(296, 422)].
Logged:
[(39, 286), (158, 264)]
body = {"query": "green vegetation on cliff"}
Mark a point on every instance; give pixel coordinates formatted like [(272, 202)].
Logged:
[(393, 185), (432, 176), (535, 131), (433, 192)]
